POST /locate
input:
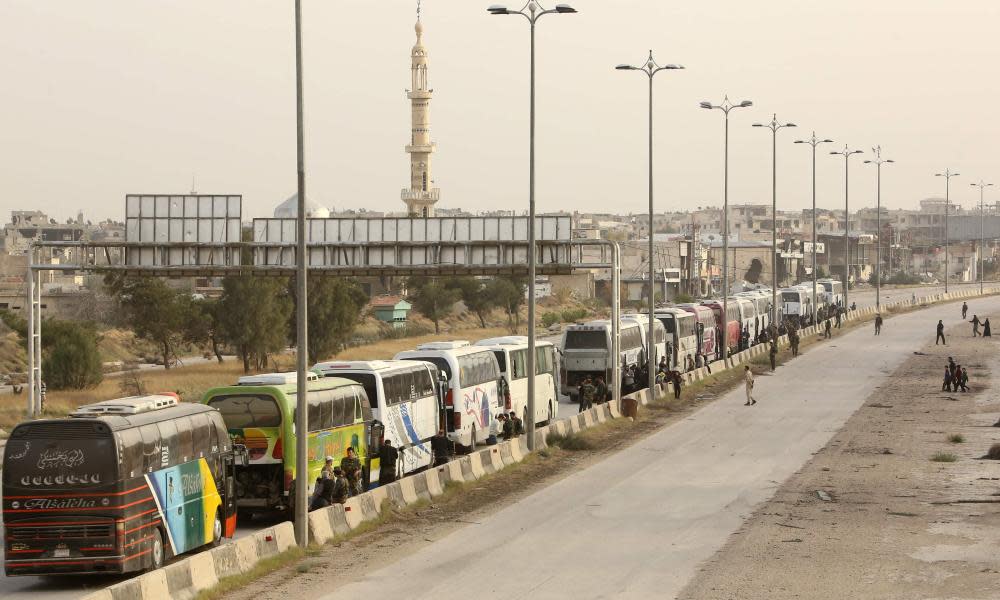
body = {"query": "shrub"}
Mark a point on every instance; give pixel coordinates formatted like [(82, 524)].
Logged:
[(73, 361), (572, 442), (572, 315), (549, 319), (683, 298), (956, 438), (944, 457)]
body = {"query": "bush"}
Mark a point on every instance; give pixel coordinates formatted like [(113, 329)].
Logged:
[(944, 457), (574, 314), (956, 438), (73, 360), (683, 298), (572, 442), (903, 279), (549, 319)]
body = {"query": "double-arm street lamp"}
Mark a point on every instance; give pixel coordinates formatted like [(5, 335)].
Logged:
[(878, 161), (532, 11), (725, 107), (651, 68), (774, 126), (982, 185), (847, 153), (814, 141), (947, 203)]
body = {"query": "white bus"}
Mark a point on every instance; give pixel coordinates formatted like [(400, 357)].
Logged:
[(832, 290), (762, 303), (660, 345), (796, 301), (472, 395), (748, 314), (682, 334), (511, 353), (403, 395), (586, 351)]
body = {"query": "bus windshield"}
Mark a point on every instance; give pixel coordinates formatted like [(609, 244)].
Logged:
[(586, 340), (243, 411), (52, 462), (790, 296)]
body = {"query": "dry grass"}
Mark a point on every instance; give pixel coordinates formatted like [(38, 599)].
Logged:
[(956, 438), (946, 457), (386, 349)]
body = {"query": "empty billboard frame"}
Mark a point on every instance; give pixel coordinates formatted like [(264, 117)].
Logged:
[(435, 242), (170, 230)]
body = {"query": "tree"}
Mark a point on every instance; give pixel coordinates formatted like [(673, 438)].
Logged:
[(508, 293), (432, 299), (475, 296), (334, 309), (153, 310), (203, 325), (70, 359), (253, 317)]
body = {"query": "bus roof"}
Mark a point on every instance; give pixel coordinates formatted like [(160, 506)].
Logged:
[(433, 349), (288, 389), (370, 366), (70, 426)]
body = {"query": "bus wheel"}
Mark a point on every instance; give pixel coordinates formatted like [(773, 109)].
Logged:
[(156, 554), (217, 529), (524, 419), (549, 420)]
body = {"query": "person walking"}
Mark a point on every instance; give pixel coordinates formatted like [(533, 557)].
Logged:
[(587, 391), (986, 328), (975, 325), (676, 379), (793, 341), (441, 448), (840, 312), (946, 384), (387, 458), (601, 390), (957, 378), (773, 352), (878, 323), (748, 384), (940, 333), (965, 380), (965, 310), (828, 329)]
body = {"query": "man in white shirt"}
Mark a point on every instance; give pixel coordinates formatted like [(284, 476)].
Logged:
[(748, 381)]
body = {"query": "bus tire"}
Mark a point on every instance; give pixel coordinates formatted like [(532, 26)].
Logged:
[(157, 553), (524, 418), (551, 412), (217, 529)]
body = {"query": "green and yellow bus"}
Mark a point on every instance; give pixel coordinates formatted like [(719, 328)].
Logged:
[(259, 412)]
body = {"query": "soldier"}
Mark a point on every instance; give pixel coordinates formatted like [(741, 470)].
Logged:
[(940, 333), (341, 489), (773, 353), (878, 323), (975, 325), (793, 338), (351, 467), (840, 312), (327, 471), (748, 384), (828, 329), (965, 310), (441, 448), (587, 391), (516, 423), (507, 427), (387, 457), (602, 390), (675, 378)]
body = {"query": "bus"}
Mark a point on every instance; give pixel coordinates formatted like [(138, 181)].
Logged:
[(511, 353), (796, 302), (586, 351), (747, 311), (732, 321), (259, 413), (682, 338), (707, 321), (658, 347), (404, 398), (118, 486), (472, 392), (762, 304), (832, 290)]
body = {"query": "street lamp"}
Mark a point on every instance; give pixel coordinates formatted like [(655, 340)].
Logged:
[(725, 107), (846, 153), (650, 68), (814, 141), (982, 185), (774, 126), (878, 161), (532, 11), (947, 201)]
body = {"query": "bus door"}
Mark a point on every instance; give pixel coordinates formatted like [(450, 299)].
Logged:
[(376, 435)]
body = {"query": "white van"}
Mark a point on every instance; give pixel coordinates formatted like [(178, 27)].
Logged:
[(511, 353), (403, 395), (472, 397)]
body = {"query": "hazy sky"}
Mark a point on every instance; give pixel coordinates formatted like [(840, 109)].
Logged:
[(108, 97)]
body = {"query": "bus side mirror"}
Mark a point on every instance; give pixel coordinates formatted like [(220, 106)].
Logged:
[(241, 457)]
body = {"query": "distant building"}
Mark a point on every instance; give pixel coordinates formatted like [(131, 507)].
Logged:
[(289, 209), (421, 196), (391, 309)]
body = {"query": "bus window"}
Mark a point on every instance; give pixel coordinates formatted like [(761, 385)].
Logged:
[(200, 436), (358, 413), (185, 443), (542, 362), (150, 447), (241, 412), (366, 411), (426, 382), (501, 359), (130, 450), (368, 381), (518, 359), (583, 340)]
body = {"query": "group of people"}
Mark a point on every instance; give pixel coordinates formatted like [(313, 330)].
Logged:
[(506, 426), (596, 390), (955, 377), (987, 331), (336, 484)]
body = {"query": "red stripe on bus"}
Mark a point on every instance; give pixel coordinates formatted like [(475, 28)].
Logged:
[(50, 510), (126, 492), (34, 523), (156, 522), (81, 560), (95, 549), (138, 541), (23, 551), (152, 510)]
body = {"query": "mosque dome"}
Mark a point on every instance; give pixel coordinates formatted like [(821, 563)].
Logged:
[(289, 209)]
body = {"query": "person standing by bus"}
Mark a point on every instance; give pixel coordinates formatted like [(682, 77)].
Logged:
[(516, 424), (940, 333), (601, 393), (341, 489), (387, 458), (748, 384), (773, 353), (441, 448), (587, 391), (352, 471), (878, 323)]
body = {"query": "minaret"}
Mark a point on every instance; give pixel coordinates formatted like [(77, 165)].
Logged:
[(420, 197)]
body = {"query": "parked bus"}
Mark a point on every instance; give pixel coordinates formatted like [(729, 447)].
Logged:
[(511, 353), (732, 322), (658, 347), (707, 321), (117, 487), (797, 302), (681, 329), (832, 290), (259, 412), (404, 398), (472, 395), (747, 314), (762, 305), (586, 351)]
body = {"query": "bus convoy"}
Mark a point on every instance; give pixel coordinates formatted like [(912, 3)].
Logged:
[(122, 485)]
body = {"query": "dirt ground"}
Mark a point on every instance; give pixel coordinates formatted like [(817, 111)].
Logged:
[(892, 524)]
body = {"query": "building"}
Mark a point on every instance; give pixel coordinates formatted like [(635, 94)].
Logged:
[(421, 196), (391, 309)]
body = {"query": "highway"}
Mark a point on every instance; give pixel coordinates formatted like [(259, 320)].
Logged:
[(638, 524), (21, 588)]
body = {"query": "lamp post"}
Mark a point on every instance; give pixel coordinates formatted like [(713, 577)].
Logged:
[(982, 185), (814, 141), (725, 107), (847, 153), (947, 202), (774, 126), (301, 507), (532, 11), (878, 161), (650, 68)]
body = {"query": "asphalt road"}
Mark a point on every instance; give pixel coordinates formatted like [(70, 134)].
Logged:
[(23, 588), (638, 524)]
